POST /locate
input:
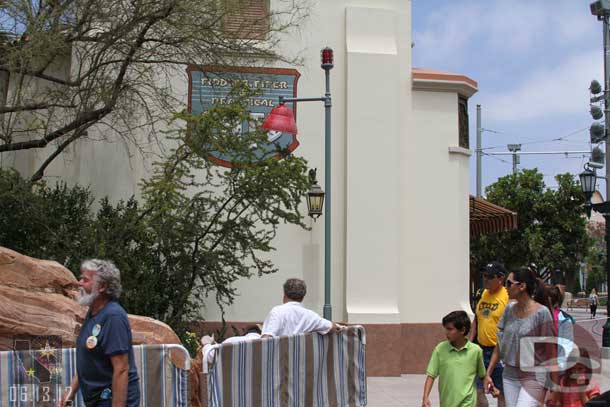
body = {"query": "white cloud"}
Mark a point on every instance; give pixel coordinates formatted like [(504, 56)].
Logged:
[(513, 26), (448, 32), (458, 30), (561, 89)]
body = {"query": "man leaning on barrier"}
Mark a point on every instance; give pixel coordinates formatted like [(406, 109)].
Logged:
[(292, 318)]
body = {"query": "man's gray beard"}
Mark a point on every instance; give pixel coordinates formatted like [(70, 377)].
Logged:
[(86, 299)]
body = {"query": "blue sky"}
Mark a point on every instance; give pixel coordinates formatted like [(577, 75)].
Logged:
[(533, 60)]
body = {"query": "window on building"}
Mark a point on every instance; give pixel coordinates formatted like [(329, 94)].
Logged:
[(247, 19), (463, 122)]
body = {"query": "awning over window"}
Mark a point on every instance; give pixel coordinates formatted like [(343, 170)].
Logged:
[(486, 218)]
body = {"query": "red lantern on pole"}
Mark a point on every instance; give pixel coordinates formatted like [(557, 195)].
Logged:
[(281, 118), (327, 58)]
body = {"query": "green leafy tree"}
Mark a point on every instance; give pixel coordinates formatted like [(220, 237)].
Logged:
[(596, 274), (596, 277), (52, 223), (197, 229), (70, 64), (596, 270), (551, 224), (211, 224)]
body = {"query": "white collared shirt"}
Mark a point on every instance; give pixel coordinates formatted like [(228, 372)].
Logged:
[(293, 318)]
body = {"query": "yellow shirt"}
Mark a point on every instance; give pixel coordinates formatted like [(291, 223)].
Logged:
[(489, 310)]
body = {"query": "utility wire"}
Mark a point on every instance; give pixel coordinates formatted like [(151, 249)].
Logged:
[(556, 139), (497, 158)]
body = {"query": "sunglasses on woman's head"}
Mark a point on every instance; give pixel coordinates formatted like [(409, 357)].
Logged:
[(509, 283)]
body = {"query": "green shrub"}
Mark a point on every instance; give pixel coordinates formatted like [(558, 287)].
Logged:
[(197, 229), (53, 223)]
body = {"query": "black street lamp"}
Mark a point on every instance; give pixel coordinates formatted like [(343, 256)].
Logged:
[(588, 180), (587, 183), (315, 197)]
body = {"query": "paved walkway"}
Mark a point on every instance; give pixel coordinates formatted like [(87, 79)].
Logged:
[(407, 390)]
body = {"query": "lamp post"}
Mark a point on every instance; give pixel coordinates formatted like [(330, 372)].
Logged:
[(601, 9), (281, 118), (315, 197), (588, 180)]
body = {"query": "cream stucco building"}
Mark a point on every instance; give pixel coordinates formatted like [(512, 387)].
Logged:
[(400, 202)]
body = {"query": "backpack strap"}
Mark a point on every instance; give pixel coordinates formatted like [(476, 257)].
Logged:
[(567, 316)]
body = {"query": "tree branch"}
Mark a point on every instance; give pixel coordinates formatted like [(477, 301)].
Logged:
[(40, 172), (85, 118), (34, 106)]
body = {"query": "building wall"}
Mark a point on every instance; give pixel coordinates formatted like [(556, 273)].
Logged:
[(436, 226), (371, 42), (399, 196)]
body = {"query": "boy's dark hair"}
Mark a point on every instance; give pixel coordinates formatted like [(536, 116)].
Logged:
[(459, 319)]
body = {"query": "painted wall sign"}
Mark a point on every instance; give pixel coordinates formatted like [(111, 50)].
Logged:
[(209, 86)]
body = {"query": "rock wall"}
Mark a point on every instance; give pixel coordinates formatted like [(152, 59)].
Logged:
[(37, 299)]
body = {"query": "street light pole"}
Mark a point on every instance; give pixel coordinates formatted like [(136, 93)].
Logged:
[(284, 121), (601, 9), (606, 330), (479, 152), (327, 310)]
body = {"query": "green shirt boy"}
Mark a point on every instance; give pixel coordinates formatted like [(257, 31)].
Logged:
[(455, 362)]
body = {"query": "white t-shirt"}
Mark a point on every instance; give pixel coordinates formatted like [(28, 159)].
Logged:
[(293, 318), (210, 349)]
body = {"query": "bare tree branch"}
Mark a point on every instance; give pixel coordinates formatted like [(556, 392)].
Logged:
[(34, 106), (40, 172), (73, 64)]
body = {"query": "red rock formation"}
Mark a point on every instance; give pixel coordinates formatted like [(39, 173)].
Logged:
[(38, 300)]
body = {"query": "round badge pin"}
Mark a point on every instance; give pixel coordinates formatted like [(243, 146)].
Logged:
[(96, 330), (91, 342)]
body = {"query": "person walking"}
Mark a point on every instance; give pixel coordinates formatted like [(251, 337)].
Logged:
[(488, 312), (105, 366), (593, 301), (456, 362), (522, 318)]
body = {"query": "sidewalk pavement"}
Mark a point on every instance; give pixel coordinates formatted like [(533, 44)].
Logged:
[(407, 390)]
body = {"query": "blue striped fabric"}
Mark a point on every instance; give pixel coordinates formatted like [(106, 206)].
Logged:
[(302, 370), (25, 383)]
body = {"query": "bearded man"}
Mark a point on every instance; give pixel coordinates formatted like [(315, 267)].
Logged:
[(106, 372)]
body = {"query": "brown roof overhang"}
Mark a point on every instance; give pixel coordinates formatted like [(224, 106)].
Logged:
[(486, 218)]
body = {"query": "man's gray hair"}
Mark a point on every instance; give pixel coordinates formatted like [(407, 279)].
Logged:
[(295, 289), (105, 273)]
